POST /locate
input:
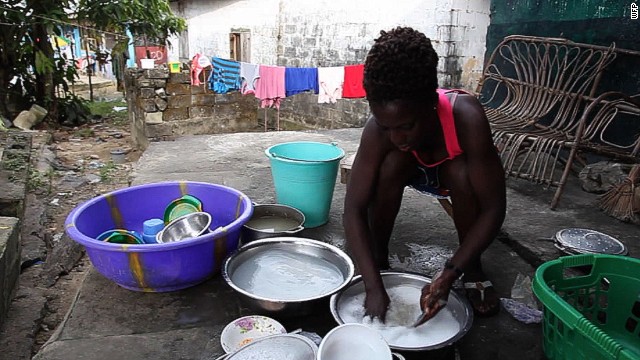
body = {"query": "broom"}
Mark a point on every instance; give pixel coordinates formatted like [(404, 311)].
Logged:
[(619, 200)]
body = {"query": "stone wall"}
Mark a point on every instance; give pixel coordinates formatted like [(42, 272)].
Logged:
[(9, 262), (15, 160), (164, 105)]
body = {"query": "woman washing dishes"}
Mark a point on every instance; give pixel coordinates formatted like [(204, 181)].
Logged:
[(436, 141)]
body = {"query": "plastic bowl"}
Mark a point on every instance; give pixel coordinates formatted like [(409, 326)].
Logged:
[(245, 330), (159, 267)]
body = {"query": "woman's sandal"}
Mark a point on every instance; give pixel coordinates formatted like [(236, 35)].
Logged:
[(481, 286)]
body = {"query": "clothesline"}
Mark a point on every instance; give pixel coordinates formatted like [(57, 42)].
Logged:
[(270, 84)]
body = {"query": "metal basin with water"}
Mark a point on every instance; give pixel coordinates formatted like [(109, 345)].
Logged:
[(457, 305), (281, 257)]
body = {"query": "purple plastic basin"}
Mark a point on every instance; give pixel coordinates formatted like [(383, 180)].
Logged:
[(159, 267)]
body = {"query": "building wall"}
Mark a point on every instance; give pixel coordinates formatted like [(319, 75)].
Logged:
[(314, 33)]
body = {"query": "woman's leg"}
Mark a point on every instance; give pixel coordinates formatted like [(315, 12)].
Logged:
[(466, 210)]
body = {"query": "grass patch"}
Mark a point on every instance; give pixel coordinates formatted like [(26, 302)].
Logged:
[(106, 172), (84, 133), (40, 181), (105, 110), (14, 161)]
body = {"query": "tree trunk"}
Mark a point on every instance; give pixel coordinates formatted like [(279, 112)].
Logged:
[(7, 72), (45, 90)]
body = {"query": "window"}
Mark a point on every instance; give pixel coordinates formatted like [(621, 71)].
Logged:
[(240, 46)]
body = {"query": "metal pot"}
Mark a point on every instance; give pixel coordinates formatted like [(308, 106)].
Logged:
[(459, 306), (256, 228), (278, 305)]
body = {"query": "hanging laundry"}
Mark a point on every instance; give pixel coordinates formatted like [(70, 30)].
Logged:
[(198, 64), (225, 76), (249, 73), (353, 76), (330, 80), (297, 80), (270, 86)]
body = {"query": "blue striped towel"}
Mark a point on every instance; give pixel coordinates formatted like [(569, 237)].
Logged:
[(225, 76)]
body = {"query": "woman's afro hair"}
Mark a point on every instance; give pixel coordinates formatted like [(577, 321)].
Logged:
[(401, 64)]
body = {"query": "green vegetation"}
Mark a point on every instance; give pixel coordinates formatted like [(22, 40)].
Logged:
[(40, 181), (31, 73), (84, 133), (106, 172), (105, 110), (14, 161)]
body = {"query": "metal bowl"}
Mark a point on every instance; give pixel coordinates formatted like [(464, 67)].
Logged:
[(277, 347), (255, 230), (282, 304), (184, 227), (458, 305)]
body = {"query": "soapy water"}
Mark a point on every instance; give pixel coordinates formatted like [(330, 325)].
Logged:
[(273, 223), (282, 275), (276, 349), (348, 349), (404, 309)]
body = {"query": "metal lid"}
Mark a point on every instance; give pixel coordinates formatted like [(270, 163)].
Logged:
[(586, 241), (277, 347)]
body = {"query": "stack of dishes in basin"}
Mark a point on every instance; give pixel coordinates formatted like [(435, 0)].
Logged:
[(167, 266), (287, 275)]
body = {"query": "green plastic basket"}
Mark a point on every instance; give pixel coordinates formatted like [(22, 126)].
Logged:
[(594, 316)]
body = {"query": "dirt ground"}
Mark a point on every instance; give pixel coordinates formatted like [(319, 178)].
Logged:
[(83, 168)]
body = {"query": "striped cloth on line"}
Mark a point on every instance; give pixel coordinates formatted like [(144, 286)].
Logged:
[(225, 76)]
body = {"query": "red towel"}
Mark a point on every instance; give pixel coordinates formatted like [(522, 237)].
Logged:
[(353, 76)]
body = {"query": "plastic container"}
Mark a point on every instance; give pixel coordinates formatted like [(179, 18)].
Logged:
[(159, 267), (304, 175), (118, 156), (121, 236), (147, 63), (593, 316), (174, 67), (182, 206), (150, 228)]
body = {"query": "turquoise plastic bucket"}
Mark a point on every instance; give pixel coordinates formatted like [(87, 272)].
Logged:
[(304, 175)]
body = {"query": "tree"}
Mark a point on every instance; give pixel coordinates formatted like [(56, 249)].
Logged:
[(29, 73)]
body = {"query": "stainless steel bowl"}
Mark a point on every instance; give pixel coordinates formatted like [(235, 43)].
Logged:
[(457, 304), (277, 347), (184, 227), (252, 231), (297, 307)]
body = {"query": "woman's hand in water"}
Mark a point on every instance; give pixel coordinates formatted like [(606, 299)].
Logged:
[(376, 303)]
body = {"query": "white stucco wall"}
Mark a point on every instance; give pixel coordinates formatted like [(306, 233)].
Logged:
[(332, 33)]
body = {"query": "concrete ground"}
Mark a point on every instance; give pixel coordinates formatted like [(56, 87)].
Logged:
[(109, 322)]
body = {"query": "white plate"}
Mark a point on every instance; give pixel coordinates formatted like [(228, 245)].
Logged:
[(246, 329)]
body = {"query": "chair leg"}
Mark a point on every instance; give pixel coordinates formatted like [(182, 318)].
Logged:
[(446, 205), (563, 179)]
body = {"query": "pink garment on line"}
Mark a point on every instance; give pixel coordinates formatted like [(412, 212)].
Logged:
[(198, 63), (270, 87)]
